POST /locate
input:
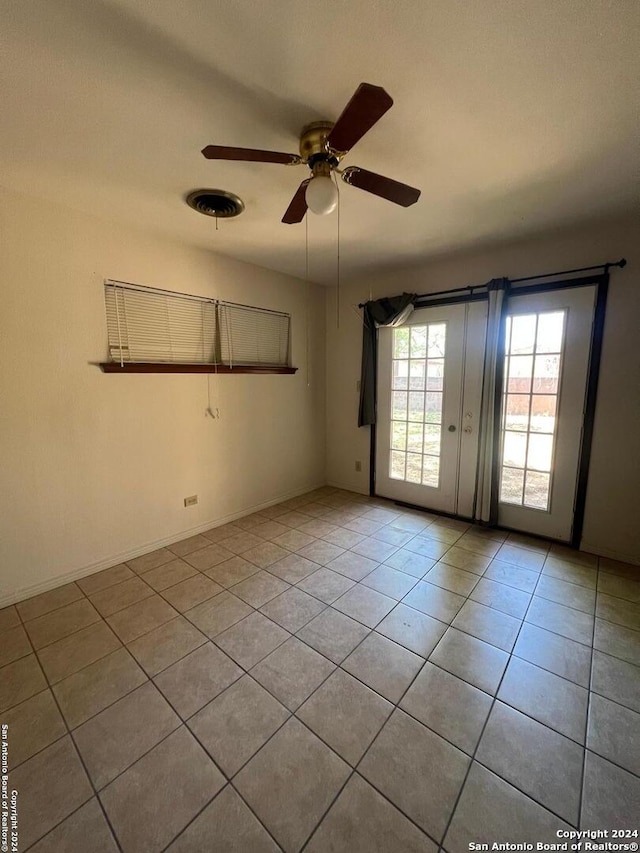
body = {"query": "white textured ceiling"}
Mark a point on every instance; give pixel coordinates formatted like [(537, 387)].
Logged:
[(512, 116)]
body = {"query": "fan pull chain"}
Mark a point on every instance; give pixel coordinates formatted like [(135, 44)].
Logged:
[(308, 289), (338, 259)]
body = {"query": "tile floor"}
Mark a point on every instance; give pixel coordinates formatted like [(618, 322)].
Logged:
[(331, 674)]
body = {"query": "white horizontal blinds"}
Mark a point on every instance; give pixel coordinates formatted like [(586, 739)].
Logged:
[(253, 335), (147, 325)]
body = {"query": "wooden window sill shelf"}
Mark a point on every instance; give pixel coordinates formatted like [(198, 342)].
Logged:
[(147, 367)]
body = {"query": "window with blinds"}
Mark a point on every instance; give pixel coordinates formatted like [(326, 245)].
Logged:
[(149, 326)]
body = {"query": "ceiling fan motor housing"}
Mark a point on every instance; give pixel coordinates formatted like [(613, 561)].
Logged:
[(313, 144)]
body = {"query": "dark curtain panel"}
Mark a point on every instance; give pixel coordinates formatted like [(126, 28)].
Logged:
[(379, 312)]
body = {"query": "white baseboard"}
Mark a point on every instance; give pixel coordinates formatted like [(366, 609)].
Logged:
[(122, 557)]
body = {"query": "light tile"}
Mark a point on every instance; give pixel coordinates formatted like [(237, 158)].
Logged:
[(293, 568), (610, 797), (251, 639), (512, 576), (441, 533), (115, 738), (105, 578), (412, 629), (449, 706), (490, 808), (353, 566), (522, 557), (224, 531), (33, 724), (619, 611), (232, 571), (470, 541), (620, 587), (294, 519), (471, 659), (432, 548), (292, 672), (260, 588), (343, 538), (581, 575), (48, 601), (72, 653), (146, 562), (417, 770), (237, 723), (455, 580), (291, 782), (508, 599), (265, 555), (333, 634), (269, 530), (393, 536), (207, 558), (375, 549), (168, 801), (543, 764), (20, 680), (50, 786), (325, 585), (554, 701), (165, 645), (365, 605), (617, 640), (169, 574), (391, 582), (241, 541), (189, 545), (467, 560), (9, 618), (317, 528), (71, 835), (122, 595), (321, 552), (571, 555), (197, 679), (293, 609), (225, 826), (384, 665), (410, 563), (569, 594), (361, 821), (217, 614), (613, 733), (93, 688), (562, 620), (191, 592), (558, 654), (488, 624), (616, 679), (346, 715), (434, 601), (140, 618), (293, 540)]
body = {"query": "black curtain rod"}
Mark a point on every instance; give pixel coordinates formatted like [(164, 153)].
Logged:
[(470, 288)]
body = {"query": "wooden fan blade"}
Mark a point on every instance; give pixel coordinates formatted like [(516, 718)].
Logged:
[(370, 182), (253, 155), (298, 205), (367, 105)]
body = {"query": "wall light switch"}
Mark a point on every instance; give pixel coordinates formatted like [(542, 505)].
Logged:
[(191, 501)]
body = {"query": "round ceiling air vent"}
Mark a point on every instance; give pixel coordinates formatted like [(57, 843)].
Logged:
[(218, 203)]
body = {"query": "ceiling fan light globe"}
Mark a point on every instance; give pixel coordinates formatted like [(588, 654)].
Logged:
[(321, 195)]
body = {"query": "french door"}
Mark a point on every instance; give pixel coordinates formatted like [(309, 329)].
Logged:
[(429, 387), (429, 396)]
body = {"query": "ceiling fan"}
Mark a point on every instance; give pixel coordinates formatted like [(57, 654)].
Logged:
[(322, 147)]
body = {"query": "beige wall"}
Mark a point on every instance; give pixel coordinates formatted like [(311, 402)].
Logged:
[(612, 525), (95, 467)]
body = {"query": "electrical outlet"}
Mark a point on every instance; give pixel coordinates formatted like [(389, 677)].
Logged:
[(191, 501), (358, 466)]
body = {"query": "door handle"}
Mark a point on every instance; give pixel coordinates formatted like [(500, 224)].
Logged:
[(451, 428)]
